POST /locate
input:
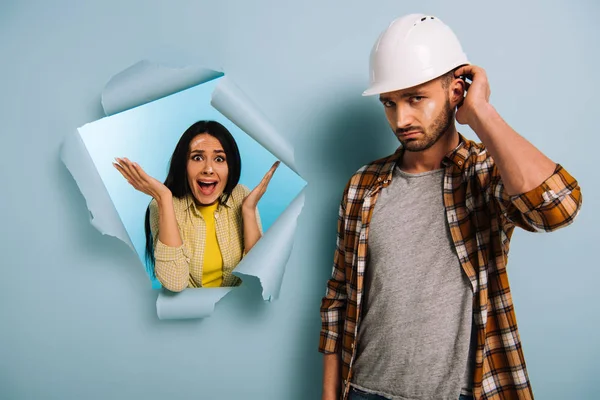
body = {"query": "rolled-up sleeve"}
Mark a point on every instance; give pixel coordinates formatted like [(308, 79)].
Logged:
[(552, 205), (333, 305), (171, 264)]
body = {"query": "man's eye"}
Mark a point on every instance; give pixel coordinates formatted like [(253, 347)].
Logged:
[(416, 99), (388, 104)]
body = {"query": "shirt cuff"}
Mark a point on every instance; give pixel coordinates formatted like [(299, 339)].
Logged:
[(162, 252), (556, 187), (329, 342)]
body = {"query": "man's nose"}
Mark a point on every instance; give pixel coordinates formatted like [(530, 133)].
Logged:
[(404, 116)]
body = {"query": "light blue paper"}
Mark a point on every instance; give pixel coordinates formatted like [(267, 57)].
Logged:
[(131, 88), (120, 135), (103, 215), (189, 304), (265, 263), (237, 107)]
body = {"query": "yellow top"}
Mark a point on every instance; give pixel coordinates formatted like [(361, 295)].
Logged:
[(212, 268), (181, 267)]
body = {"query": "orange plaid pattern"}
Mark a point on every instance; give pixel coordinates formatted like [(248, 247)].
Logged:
[(482, 218)]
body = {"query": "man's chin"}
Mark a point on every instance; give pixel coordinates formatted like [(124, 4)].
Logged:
[(415, 146)]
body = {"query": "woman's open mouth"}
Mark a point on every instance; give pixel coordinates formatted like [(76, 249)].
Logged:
[(207, 187)]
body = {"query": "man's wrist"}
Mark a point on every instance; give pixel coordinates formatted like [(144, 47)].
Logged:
[(481, 117)]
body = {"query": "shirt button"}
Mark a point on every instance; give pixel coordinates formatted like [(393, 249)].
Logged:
[(379, 179), (460, 163)]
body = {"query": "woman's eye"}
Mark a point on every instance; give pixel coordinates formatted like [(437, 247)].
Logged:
[(219, 159), (197, 158)]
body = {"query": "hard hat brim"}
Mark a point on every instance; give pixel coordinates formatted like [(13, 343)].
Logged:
[(388, 87)]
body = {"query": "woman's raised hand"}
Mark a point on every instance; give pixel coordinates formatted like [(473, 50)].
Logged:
[(251, 201), (140, 180)]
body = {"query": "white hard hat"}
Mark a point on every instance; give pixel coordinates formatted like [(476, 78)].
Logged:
[(414, 49)]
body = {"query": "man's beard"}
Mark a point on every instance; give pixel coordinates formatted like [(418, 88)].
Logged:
[(432, 134)]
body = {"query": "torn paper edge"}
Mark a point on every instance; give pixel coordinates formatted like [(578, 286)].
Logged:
[(233, 103), (103, 214), (145, 82), (190, 303), (134, 87), (264, 263)]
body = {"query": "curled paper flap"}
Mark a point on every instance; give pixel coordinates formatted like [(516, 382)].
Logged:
[(269, 256), (145, 82), (189, 304), (230, 101), (103, 215)]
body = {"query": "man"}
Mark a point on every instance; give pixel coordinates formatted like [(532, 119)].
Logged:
[(418, 305)]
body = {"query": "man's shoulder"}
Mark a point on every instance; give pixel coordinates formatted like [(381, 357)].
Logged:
[(379, 166), (369, 173)]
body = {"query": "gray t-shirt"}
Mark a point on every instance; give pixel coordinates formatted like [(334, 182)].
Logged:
[(415, 336)]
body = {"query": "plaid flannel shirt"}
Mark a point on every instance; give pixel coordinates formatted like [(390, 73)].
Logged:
[(482, 217)]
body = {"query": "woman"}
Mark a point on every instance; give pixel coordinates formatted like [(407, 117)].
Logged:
[(200, 222)]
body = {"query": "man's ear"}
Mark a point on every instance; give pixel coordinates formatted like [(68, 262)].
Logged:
[(457, 88)]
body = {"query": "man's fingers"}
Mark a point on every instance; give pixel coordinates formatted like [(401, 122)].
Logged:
[(470, 72), (461, 71), (466, 70)]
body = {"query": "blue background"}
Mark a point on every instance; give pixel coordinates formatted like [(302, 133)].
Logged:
[(77, 316), (148, 135)]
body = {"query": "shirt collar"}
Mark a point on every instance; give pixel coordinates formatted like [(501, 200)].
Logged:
[(457, 157)]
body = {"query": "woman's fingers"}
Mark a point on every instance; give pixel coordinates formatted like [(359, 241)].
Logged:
[(261, 188), (124, 171), (267, 178), (135, 171), (128, 170), (138, 178)]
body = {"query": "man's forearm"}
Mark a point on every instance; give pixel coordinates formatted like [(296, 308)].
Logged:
[(522, 166), (331, 376)]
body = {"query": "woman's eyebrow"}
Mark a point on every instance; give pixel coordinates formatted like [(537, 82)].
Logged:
[(201, 151)]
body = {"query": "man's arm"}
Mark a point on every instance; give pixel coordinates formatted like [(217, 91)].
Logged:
[(530, 184), (331, 376), (522, 166), (333, 307)]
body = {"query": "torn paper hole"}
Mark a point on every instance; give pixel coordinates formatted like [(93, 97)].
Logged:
[(146, 121)]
